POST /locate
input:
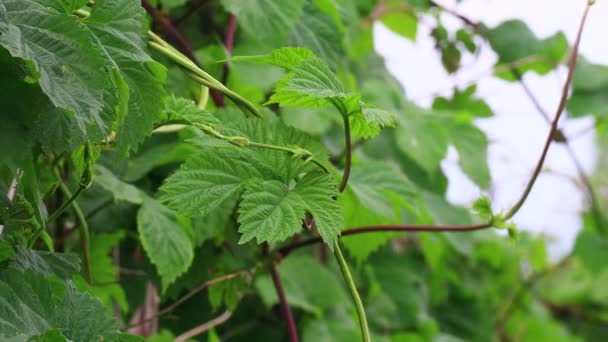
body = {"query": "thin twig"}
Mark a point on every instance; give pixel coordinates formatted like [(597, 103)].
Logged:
[(292, 330), (286, 250), (558, 114), (221, 319), (189, 295), (229, 44), (83, 226), (471, 23)]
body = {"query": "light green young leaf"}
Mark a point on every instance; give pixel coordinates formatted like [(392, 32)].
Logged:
[(34, 304), (121, 191), (177, 108), (310, 84), (402, 23), (279, 17), (166, 240), (368, 122), (270, 212), (105, 271), (286, 57)]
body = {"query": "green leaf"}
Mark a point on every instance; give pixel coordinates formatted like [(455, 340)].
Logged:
[(301, 276), (374, 182), (463, 101), (514, 42), (177, 108), (280, 17), (287, 57), (368, 122), (592, 249), (402, 23), (472, 146), (269, 212), (319, 32), (208, 179), (318, 191), (33, 304), (119, 30), (6, 251), (310, 84), (166, 240), (62, 265), (53, 335), (67, 6), (590, 90), (120, 190), (483, 208), (104, 271), (423, 139), (56, 45)]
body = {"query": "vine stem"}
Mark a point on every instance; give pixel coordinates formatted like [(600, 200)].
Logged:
[(64, 206), (349, 154), (83, 226), (291, 324), (558, 114), (221, 319), (286, 250), (354, 293)]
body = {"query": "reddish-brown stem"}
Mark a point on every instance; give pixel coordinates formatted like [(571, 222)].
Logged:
[(195, 6), (229, 43), (471, 23), (182, 44), (558, 113), (291, 324), (284, 251)]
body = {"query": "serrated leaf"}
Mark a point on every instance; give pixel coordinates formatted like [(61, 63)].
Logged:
[(165, 239), (61, 265), (56, 44), (318, 191), (463, 101), (269, 212), (423, 139), (287, 57), (208, 179), (368, 122), (310, 84), (33, 304), (119, 31), (177, 108), (280, 16), (120, 190)]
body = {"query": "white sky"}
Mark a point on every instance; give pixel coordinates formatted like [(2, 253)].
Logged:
[(517, 132)]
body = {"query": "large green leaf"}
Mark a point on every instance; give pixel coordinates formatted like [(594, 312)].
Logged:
[(590, 90), (119, 29), (33, 304), (280, 17), (120, 190), (270, 212), (59, 264), (166, 238), (68, 67), (208, 179)]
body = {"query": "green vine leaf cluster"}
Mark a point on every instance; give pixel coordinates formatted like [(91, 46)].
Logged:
[(184, 170)]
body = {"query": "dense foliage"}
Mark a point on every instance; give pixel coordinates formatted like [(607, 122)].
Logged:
[(188, 174)]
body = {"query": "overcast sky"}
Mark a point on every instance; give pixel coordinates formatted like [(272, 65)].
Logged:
[(517, 132)]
